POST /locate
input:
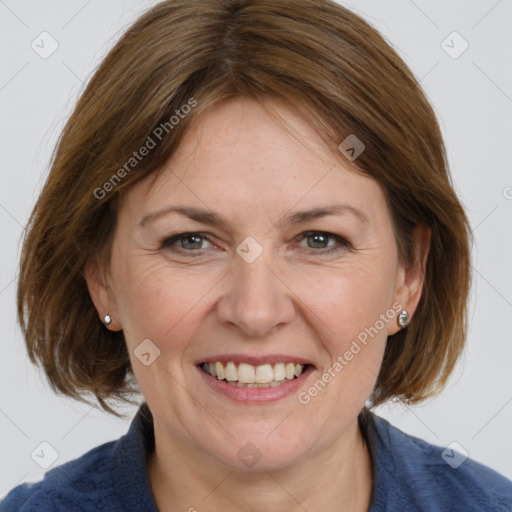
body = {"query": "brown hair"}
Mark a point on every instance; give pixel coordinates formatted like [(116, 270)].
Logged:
[(330, 64)]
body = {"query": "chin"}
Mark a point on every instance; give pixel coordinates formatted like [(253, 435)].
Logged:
[(253, 451)]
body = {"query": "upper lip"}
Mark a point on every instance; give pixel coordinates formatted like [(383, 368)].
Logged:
[(254, 360)]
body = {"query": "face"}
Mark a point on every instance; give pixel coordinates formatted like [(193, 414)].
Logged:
[(242, 281)]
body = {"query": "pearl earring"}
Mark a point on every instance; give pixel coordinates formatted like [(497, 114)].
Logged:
[(403, 318), (107, 319)]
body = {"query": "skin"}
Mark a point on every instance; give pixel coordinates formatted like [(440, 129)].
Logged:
[(199, 298)]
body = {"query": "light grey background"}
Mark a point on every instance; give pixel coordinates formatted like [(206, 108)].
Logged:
[(472, 95)]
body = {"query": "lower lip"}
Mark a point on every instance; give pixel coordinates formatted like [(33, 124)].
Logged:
[(269, 394)]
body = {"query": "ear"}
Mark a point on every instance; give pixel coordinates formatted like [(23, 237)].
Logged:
[(411, 278), (101, 294)]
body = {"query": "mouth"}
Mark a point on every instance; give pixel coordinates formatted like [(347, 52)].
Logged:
[(245, 375)]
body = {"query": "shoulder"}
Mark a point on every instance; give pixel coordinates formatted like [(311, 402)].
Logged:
[(75, 486), (109, 478), (434, 477)]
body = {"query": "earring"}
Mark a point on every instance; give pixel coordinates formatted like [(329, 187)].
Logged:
[(403, 318), (107, 319)]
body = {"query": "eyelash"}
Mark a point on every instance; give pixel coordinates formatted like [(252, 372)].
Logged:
[(343, 244)]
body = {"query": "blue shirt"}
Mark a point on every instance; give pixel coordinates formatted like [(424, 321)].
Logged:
[(409, 475)]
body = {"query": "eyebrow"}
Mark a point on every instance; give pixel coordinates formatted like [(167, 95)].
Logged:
[(213, 219)]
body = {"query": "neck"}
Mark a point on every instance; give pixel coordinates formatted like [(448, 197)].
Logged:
[(182, 478)]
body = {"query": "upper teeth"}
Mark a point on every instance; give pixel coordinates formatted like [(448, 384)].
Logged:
[(248, 374)]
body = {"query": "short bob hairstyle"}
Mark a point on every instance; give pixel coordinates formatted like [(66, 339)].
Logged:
[(176, 61)]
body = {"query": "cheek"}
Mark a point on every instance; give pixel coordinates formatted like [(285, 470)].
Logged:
[(161, 304), (348, 300), (351, 310)]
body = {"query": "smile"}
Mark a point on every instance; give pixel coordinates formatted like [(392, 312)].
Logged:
[(250, 376)]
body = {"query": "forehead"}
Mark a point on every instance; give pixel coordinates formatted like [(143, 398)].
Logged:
[(243, 154)]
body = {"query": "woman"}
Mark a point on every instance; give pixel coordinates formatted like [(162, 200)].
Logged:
[(249, 219)]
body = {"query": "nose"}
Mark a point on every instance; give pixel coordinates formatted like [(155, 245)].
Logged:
[(256, 300)]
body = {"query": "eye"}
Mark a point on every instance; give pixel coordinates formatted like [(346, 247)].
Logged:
[(320, 240), (186, 241), (193, 242)]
